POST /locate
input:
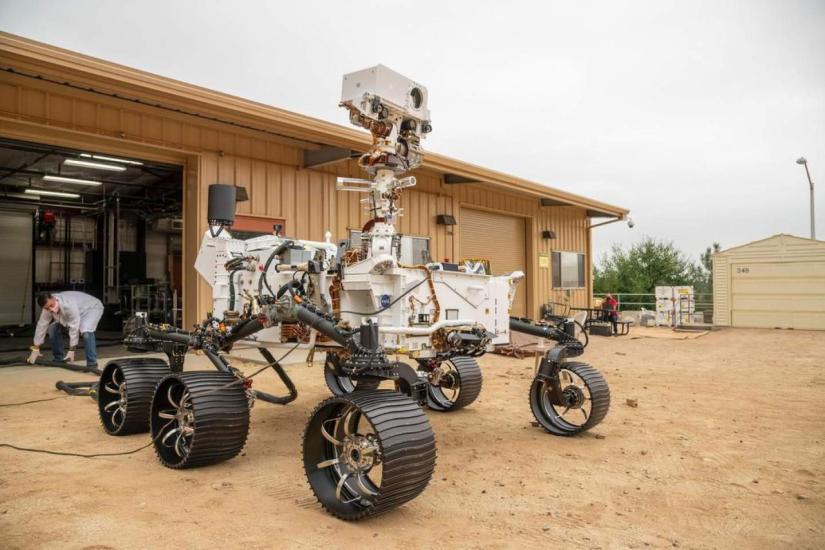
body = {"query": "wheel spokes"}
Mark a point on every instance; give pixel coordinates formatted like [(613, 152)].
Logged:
[(170, 398), (122, 417), (168, 435), (328, 463), (112, 405), (350, 427), (326, 434), (180, 444), (340, 486), (111, 389), (166, 415), (359, 478)]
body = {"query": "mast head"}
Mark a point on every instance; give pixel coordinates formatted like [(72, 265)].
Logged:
[(394, 109)]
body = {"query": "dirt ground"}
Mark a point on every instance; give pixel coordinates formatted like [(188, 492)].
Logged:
[(726, 448)]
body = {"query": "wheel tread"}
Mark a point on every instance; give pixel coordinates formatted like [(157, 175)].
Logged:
[(141, 375), (599, 394), (470, 382), (407, 446), (221, 410)]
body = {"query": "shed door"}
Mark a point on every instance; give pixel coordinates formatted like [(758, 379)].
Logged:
[(16, 268), (778, 295), (499, 239)]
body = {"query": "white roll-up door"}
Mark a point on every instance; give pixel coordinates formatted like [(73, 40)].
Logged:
[(15, 269), (778, 295), (500, 239)]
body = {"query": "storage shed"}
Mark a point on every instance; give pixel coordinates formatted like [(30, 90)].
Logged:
[(778, 282)]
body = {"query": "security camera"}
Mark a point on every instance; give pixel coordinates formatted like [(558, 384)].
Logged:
[(394, 109), (630, 223)]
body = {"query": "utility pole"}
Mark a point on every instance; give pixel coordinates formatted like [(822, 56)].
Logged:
[(804, 162)]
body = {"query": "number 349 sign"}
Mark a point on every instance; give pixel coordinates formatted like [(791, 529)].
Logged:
[(743, 270)]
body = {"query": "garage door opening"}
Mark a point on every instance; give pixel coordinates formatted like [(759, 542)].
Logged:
[(501, 241), (106, 225)]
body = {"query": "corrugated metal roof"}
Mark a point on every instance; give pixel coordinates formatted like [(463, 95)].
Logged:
[(776, 244), (160, 91)]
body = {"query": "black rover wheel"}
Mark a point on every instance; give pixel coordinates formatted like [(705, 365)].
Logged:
[(453, 384), (586, 400), (199, 418), (342, 385), (367, 453), (125, 394)]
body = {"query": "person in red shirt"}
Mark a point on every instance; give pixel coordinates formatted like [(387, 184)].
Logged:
[(611, 311)]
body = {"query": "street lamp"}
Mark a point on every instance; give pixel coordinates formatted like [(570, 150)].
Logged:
[(804, 162)]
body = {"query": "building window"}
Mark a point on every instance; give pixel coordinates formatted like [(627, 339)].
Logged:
[(568, 270)]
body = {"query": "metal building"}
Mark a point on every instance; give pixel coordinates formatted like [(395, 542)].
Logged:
[(778, 282), (58, 102)]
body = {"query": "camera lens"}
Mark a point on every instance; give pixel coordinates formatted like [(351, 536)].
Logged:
[(417, 98)]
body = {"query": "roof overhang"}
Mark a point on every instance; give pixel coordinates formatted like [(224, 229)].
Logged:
[(329, 142)]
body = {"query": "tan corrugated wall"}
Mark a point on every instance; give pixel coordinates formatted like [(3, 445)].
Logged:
[(721, 291), (269, 167)]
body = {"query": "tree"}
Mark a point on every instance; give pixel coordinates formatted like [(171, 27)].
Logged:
[(707, 263), (707, 256), (646, 265)]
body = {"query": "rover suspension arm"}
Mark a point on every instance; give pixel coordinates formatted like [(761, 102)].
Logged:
[(568, 345)]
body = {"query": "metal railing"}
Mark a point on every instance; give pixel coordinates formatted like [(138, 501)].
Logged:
[(628, 301)]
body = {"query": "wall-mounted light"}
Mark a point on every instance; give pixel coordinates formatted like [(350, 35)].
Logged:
[(547, 234), (445, 219), (240, 194)]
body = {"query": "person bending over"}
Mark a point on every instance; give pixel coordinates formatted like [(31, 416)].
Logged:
[(79, 313)]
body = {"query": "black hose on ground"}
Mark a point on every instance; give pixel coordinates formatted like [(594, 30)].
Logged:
[(22, 361), (100, 344), (78, 388)]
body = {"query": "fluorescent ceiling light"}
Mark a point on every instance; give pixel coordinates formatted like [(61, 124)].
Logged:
[(111, 159), (62, 179), (22, 196), (52, 193), (95, 165)]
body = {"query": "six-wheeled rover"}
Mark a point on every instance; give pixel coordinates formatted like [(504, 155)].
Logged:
[(365, 449)]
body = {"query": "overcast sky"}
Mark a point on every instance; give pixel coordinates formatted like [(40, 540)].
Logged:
[(690, 114)]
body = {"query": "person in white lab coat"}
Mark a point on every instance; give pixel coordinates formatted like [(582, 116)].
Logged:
[(79, 313)]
